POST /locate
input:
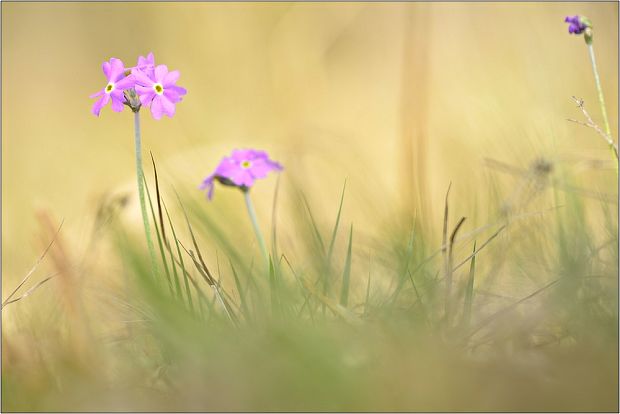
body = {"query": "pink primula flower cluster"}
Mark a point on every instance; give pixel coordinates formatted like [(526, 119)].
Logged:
[(154, 84)]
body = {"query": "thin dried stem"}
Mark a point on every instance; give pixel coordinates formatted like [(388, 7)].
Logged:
[(591, 124)]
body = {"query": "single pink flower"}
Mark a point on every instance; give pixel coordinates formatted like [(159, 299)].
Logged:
[(114, 71), (241, 169), (159, 90)]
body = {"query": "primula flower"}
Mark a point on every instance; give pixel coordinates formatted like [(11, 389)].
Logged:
[(114, 70), (577, 24), (158, 89), (240, 170)]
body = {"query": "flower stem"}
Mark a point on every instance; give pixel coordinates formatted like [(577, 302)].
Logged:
[(259, 235), (599, 89), (601, 98), (140, 174)]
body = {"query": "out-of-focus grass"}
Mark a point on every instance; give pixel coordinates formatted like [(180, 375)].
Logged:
[(351, 314)]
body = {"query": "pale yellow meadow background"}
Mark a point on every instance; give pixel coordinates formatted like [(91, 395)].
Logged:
[(400, 98)]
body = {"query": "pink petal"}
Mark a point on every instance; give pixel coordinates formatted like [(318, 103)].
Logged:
[(106, 69), (141, 78), (160, 72), (171, 78), (117, 103), (117, 69), (172, 95), (167, 106), (242, 177), (146, 97), (242, 155), (127, 82), (178, 89), (156, 107), (101, 102), (101, 92)]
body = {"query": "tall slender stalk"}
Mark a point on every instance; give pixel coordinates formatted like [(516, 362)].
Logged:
[(588, 37), (599, 89), (259, 235), (140, 175)]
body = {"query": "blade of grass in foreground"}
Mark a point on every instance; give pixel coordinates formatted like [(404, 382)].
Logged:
[(469, 291), (346, 274), (163, 231), (158, 234), (181, 263), (330, 250)]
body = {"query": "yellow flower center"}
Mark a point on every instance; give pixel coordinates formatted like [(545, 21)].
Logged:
[(158, 88), (109, 88), (246, 164)]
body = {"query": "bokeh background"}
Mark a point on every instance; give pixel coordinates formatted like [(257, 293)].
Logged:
[(398, 98)]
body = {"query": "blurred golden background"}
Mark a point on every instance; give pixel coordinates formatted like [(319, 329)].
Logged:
[(400, 99)]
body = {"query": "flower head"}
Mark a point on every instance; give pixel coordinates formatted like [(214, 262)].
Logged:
[(578, 25), (240, 170), (158, 89), (114, 71)]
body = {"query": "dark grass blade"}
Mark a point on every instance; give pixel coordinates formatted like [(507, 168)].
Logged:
[(332, 241), (158, 234), (162, 227), (449, 270), (180, 261), (346, 274), (206, 223), (315, 229), (489, 240), (469, 291), (203, 269)]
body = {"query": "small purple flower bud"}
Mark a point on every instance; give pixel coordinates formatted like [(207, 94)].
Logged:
[(578, 25)]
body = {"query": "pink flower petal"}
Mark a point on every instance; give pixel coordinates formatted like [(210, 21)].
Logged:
[(127, 82), (101, 92), (117, 103), (178, 89), (101, 102), (117, 69), (141, 78), (171, 78), (172, 95), (167, 106), (160, 72), (106, 69), (156, 107)]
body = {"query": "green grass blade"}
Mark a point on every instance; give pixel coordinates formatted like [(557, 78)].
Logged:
[(315, 229), (346, 274), (162, 227), (469, 291), (181, 263), (157, 232), (330, 250)]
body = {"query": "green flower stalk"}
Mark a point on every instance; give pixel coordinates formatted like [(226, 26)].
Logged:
[(582, 25), (254, 220), (140, 177)]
